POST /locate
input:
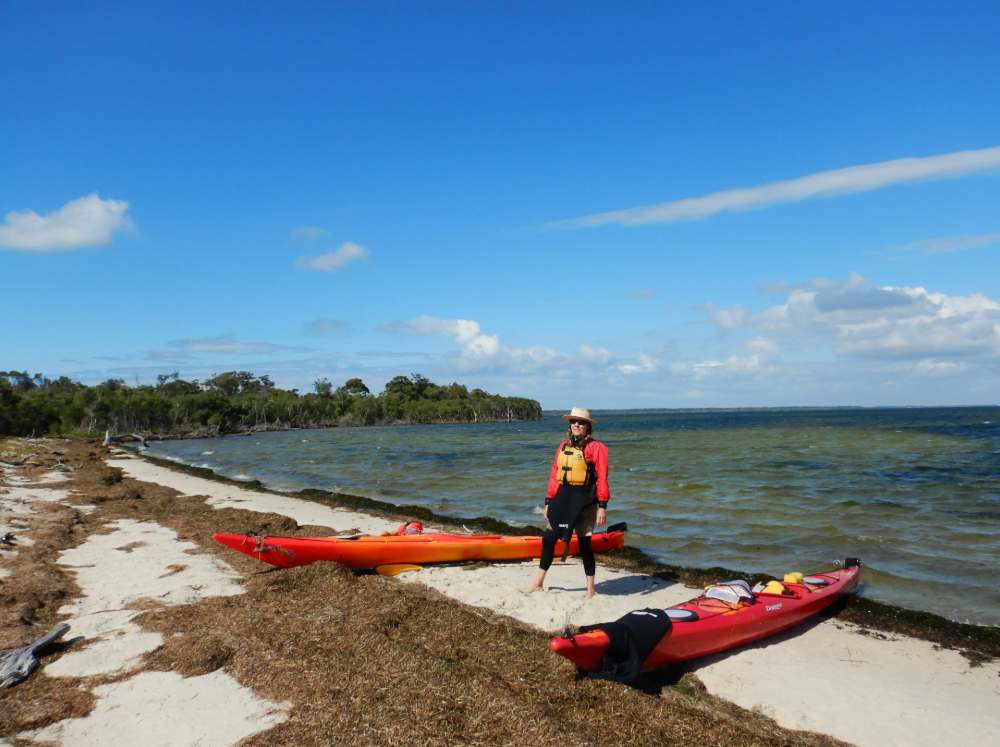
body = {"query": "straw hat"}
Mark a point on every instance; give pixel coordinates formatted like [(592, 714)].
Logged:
[(579, 413)]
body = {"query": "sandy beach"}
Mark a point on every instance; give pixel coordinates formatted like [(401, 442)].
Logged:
[(142, 586)]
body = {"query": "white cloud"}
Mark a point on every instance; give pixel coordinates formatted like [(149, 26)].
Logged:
[(481, 352), (309, 233), (951, 243), (824, 184), (644, 364), (727, 318), (228, 344), (642, 293), (859, 320), (598, 356), (940, 368), (89, 221), (764, 355), (334, 260)]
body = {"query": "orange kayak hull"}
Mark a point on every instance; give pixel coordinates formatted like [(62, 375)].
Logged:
[(368, 552)]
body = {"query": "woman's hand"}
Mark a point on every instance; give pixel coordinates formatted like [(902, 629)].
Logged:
[(602, 516), (545, 513)]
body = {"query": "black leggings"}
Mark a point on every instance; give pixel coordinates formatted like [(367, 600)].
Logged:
[(549, 552)]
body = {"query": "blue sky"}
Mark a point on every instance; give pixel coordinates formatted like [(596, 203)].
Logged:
[(339, 190)]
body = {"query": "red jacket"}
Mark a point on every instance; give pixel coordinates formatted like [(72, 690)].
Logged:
[(595, 452)]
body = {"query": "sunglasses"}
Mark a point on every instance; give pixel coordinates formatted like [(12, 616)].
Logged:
[(578, 422)]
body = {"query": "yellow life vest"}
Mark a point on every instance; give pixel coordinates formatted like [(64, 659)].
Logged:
[(573, 465)]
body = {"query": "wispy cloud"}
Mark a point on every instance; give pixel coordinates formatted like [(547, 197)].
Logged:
[(89, 221), (642, 293), (227, 344), (309, 233), (322, 327), (951, 243), (824, 184), (169, 355), (334, 260)]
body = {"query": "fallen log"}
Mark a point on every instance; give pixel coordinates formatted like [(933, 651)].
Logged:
[(17, 663), (17, 464), (109, 439)]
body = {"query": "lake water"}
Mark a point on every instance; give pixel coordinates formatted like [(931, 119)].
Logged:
[(915, 493)]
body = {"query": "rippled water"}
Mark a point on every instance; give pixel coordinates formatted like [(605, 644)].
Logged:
[(915, 493)]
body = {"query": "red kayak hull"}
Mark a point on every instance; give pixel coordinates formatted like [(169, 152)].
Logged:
[(719, 627), (368, 552)]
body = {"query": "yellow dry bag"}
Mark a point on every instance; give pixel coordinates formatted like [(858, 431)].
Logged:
[(774, 587)]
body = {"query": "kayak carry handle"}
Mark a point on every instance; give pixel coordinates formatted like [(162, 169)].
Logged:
[(619, 527), (852, 562)]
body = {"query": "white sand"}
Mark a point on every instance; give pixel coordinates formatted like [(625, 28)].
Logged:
[(139, 560), (162, 709), (823, 677), (50, 477), (872, 692), (500, 587), (16, 513), (224, 495)]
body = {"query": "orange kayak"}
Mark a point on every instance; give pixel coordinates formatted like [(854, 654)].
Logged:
[(367, 552)]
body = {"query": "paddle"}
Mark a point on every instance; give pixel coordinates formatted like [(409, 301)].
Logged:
[(395, 569)]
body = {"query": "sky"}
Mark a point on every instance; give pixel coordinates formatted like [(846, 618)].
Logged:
[(602, 204)]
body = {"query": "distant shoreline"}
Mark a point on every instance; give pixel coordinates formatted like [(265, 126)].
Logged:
[(796, 408)]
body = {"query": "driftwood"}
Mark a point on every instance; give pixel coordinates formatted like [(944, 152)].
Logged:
[(109, 439), (17, 663), (18, 464)]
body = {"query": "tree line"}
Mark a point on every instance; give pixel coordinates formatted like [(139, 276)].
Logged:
[(238, 402)]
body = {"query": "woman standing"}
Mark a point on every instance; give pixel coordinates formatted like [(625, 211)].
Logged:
[(577, 499)]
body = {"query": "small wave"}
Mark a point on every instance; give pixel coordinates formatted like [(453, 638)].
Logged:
[(866, 538), (242, 477), (538, 510), (207, 453), (691, 487)]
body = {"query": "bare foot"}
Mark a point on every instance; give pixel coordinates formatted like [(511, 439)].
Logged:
[(589, 595), (533, 587)]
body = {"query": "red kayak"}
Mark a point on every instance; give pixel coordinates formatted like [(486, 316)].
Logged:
[(367, 552), (706, 625)]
